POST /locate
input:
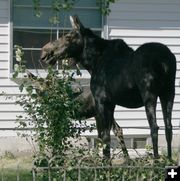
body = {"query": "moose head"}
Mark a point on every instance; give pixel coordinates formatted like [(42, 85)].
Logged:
[(68, 46)]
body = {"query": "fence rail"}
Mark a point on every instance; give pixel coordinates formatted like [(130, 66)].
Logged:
[(44, 169), (102, 173)]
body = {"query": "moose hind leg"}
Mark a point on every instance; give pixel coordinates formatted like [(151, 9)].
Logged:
[(150, 102), (167, 105), (118, 132)]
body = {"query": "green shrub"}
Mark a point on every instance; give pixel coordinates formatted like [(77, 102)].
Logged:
[(49, 106)]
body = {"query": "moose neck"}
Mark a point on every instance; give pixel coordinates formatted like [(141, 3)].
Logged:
[(92, 49)]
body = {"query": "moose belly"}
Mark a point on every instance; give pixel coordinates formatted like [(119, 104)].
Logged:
[(129, 98)]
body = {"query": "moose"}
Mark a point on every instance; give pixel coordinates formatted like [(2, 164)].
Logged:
[(120, 76)]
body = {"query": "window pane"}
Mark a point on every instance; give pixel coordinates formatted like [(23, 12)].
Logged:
[(32, 42), (29, 38), (139, 143), (115, 143), (128, 142), (29, 34), (23, 14)]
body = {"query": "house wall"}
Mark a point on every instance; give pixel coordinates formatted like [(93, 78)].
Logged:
[(8, 88), (136, 21), (7, 107), (142, 21)]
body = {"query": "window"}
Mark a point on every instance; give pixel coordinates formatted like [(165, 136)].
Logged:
[(131, 143), (139, 143), (32, 33)]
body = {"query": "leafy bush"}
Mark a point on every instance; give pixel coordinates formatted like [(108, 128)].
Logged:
[(49, 105)]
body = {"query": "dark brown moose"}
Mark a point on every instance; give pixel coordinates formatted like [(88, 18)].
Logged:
[(120, 76)]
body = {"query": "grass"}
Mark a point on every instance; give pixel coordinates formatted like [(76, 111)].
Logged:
[(11, 175), (18, 168), (12, 167)]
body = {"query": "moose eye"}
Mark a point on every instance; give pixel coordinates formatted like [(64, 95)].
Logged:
[(51, 53), (68, 38)]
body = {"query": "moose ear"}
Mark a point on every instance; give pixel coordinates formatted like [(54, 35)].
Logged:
[(76, 23)]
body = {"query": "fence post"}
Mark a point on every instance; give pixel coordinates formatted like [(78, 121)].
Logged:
[(2, 175), (79, 173), (34, 174), (179, 151), (34, 166), (64, 179), (95, 174), (18, 169), (137, 176), (109, 174), (49, 172)]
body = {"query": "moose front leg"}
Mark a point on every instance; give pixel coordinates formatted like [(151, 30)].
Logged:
[(104, 122)]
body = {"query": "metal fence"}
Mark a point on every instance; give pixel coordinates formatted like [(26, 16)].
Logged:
[(101, 173), (86, 169), (97, 173), (44, 169)]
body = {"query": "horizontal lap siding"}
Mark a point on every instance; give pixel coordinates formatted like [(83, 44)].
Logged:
[(133, 30), (142, 21), (8, 109)]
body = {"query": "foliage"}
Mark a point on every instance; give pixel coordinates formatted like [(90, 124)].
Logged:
[(59, 5), (20, 67), (50, 107), (105, 6)]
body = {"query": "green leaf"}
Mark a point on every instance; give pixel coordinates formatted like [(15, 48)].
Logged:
[(21, 87), (16, 67), (29, 89), (15, 75)]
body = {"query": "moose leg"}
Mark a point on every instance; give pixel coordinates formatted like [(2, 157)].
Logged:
[(104, 124), (118, 132), (88, 110), (87, 104), (167, 104), (150, 102)]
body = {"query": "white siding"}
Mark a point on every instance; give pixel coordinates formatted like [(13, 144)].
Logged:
[(135, 21), (8, 109), (138, 22)]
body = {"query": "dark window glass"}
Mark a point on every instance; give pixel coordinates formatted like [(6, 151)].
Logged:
[(32, 33), (139, 143)]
